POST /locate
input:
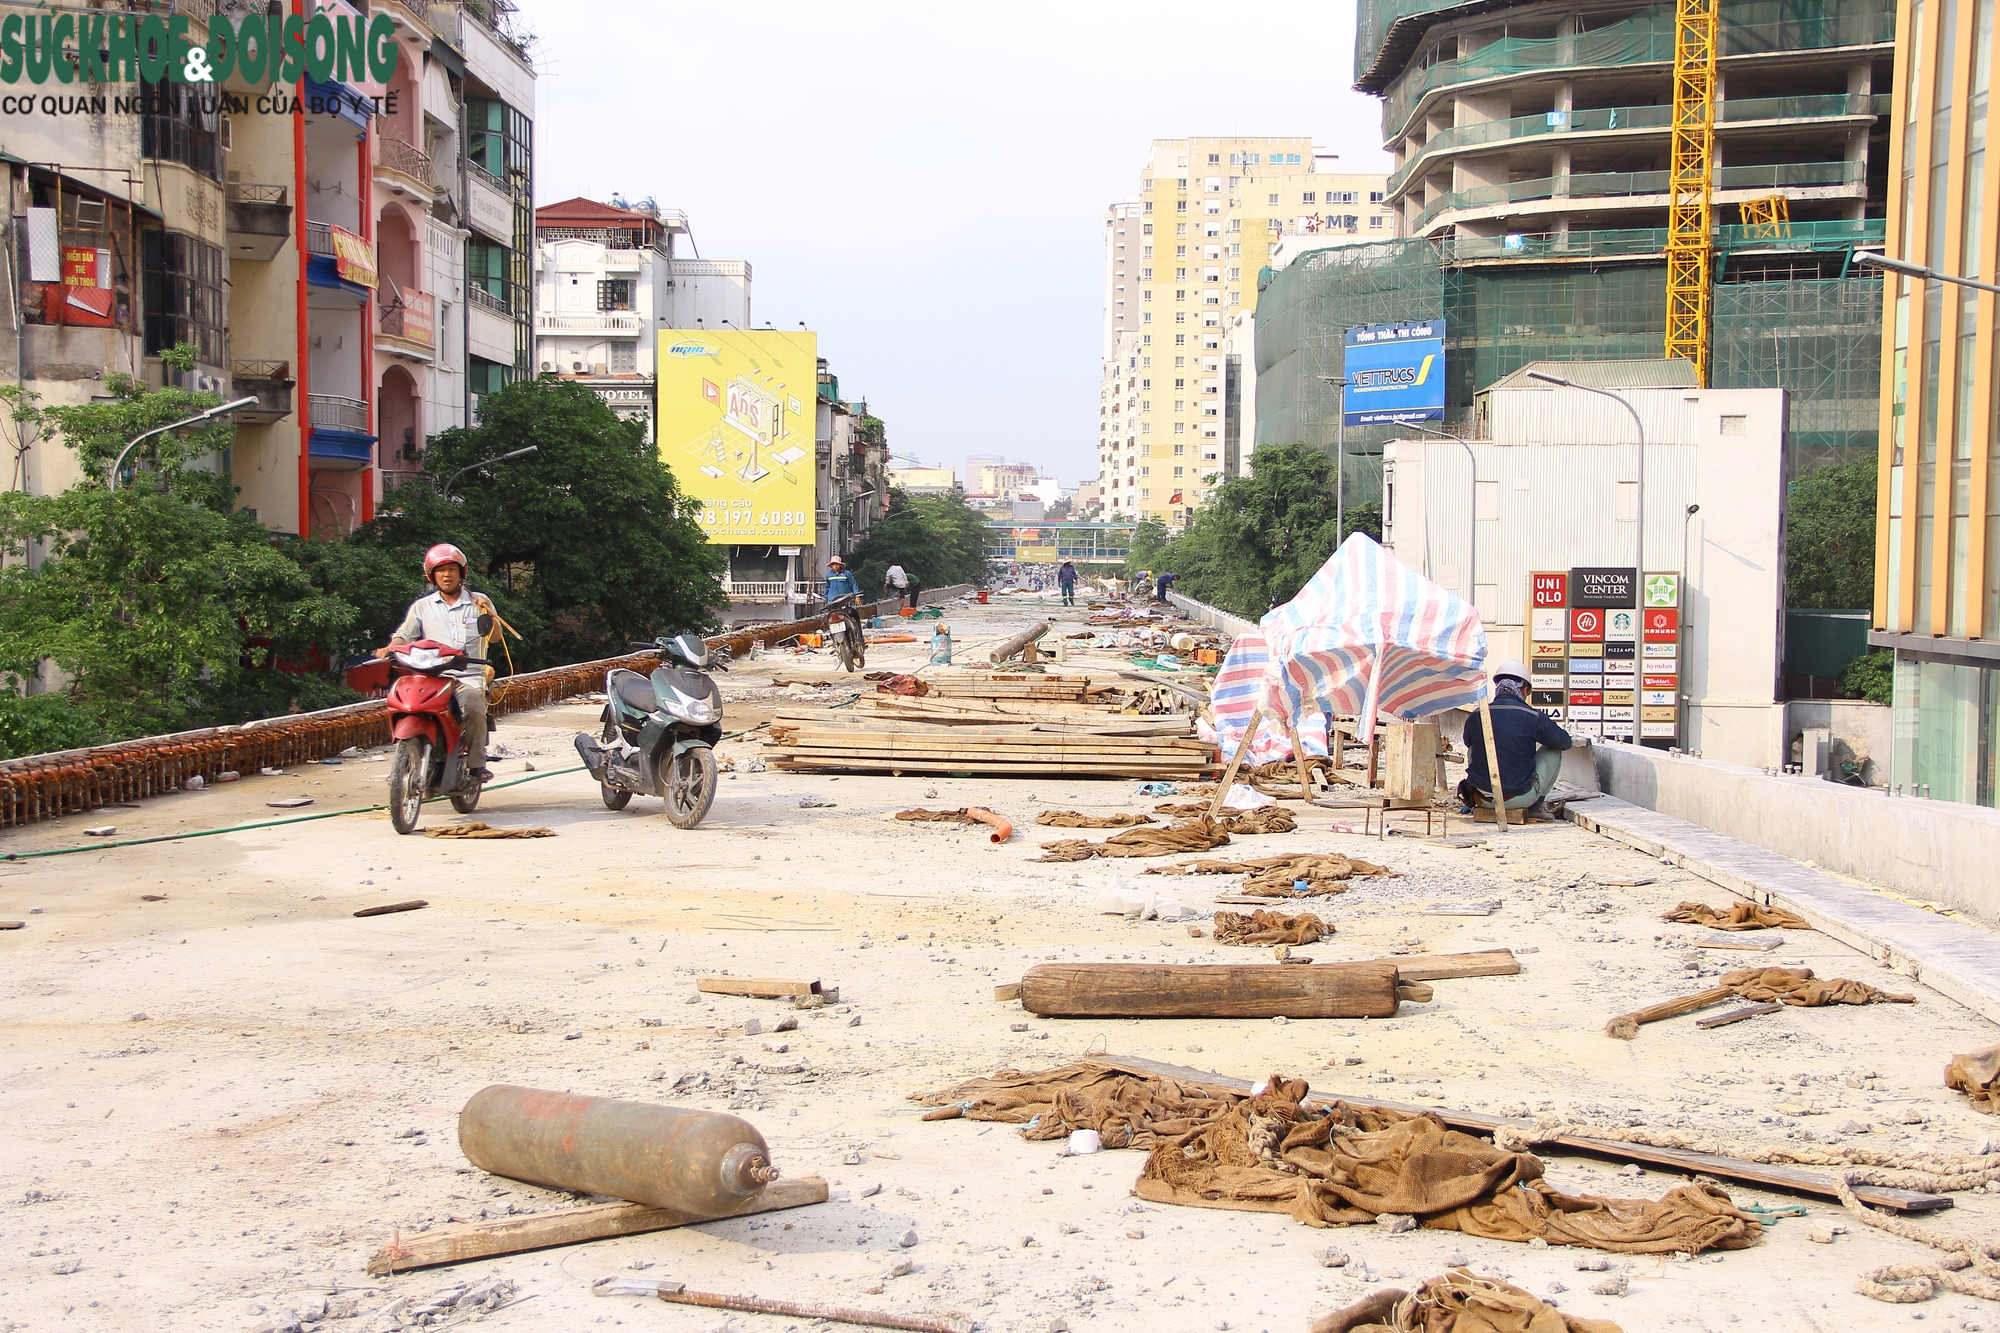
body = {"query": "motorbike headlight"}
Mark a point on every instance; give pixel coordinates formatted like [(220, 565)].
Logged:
[(703, 713)]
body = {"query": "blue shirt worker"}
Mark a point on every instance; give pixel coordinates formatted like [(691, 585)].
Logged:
[(1531, 747), (840, 583), (1164, 586)]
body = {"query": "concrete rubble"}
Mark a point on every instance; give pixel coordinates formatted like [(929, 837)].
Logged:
[(229, 1092)]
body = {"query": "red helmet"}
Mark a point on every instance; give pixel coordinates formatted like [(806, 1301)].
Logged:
[(444, 553)]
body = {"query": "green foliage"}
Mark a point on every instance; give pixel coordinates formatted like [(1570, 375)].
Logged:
[(584, 545), (1830, 538), (160, 610), (96, 432), (937, 539), (1260, 538), (1060, 510), (1870, 676), (40, 723)]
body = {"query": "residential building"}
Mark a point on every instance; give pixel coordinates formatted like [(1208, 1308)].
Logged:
[(606, 276), (1009, 481), (924, 480), (1937, 563), (1126, 252), (1531, 143), (1209, 210)]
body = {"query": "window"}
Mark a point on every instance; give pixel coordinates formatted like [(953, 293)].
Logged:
[(1146, 295), (1273, 199), (1215, 159), (484, 377), (1180, 229), (1180, 340), (1179, 471), (1180, 363), (1374, 196), (1180, 384), (1211, 205), (175, 128), (1149, 226), (624, 358), (1180, 274), (1145, 340), (1148, 254), (1146, 361), (183, 294), (614, 294), (1234, 181), (1179, 450), (1180, 316), (1340, 196), (1250, 159), (1180, 206), (498, 139), (1180, 293), (1145, 405), (1180, 252), (1146, 383), (1235, 275), (1213, 184), (486, 265), (1375, 223), (1179, 426), (1312, 197), (1146, 274), (1145, 472), (1236, 247)]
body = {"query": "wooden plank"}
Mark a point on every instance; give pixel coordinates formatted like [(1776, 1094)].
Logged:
[(1492, 765), (760, 988), (1625, 1027), (1760, 946), (1738, 1015), (1025, 767), (1221, 990), (1004, 993), (1229, 774), (571, 1226), (1797, 1180), (386, 908), (1453, 966)]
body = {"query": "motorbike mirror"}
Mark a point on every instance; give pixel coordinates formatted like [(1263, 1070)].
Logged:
[(485, 623)]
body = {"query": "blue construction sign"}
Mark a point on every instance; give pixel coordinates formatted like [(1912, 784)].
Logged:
[(1395, 373)]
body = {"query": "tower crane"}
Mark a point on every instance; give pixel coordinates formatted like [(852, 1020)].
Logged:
[(1691, 176)]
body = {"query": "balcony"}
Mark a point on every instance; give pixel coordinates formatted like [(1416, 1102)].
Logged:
[(481, 299), (620, 322), (402, 168), (340, 437), (1646, 188), (741, 590), (408, 326), (331, 269), (412, 17), (271, 382), (260, 220)]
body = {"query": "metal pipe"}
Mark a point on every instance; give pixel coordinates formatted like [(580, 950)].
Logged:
[(662, 1156)]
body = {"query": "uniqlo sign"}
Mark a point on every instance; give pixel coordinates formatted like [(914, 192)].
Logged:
[(1551, 589), (1586, 624)]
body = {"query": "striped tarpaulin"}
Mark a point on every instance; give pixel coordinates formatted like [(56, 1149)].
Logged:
[(1238, 686), (1367, 636)]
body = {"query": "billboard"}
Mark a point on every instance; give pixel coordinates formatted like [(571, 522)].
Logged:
[(1395, 372), (737, 422)]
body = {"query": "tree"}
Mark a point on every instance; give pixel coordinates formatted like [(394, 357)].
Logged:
[(937, 539), (1060, 510), (590, 537), (1260, 538), (1830, 538), (1870, 676)]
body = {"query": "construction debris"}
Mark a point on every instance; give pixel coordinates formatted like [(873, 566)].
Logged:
[(1076, 819), (479, 830), (678, 1293), (936, 816), (1977, 1075), (1216, 990), (1307, 875), (1738, 916), (1457, 1302), (571, 1226), (763, 988), (1786, 985), (1192, 836), (387, 908), (1261, 928)]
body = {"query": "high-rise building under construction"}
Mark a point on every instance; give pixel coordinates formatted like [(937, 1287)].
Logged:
[(1531, 189)]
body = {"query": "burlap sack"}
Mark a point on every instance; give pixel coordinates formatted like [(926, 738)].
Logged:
[(1977, 1075), (1739, 916)]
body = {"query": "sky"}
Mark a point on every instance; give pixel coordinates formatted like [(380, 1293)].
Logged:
[(924, 184)]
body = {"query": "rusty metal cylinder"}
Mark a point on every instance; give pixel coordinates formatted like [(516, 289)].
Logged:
[(663, 1156)]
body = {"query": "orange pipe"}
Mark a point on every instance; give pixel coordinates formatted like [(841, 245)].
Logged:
[(1002, 830)]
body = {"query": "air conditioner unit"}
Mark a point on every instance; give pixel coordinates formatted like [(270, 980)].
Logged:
[(548, 365), (576, 367)]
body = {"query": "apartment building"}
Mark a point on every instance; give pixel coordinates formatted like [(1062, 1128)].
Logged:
[(1937, 561), (1208, 212), (606, 278)]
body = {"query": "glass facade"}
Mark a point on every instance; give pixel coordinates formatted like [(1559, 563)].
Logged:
[(1947, 719)]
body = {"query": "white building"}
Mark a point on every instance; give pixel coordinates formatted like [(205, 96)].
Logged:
[(1557, 487), (607, 280)]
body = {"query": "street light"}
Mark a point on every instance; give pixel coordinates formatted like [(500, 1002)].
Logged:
[(444, 491), (199, 418), (1343, 382), (1909, 270), (1472, 533), (1625, 403)]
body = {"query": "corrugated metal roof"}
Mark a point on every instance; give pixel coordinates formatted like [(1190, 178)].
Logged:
[(1652, 373)]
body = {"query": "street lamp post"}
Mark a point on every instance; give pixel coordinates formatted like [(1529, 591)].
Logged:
[(1340, 382), (444, 491), (1640, 426), (1905, 268), (1472, 521), (199, 418)]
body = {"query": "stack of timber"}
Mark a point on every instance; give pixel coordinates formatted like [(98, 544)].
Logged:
[(1086, 734), (1017, 685)]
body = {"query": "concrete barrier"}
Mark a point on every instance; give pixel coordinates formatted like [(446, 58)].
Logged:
[(1936, 851), (1213, 617)]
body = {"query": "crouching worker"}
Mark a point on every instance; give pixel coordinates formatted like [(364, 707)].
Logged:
[(1531, 748)]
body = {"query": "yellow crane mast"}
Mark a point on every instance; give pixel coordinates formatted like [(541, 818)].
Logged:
[(1691, 173)]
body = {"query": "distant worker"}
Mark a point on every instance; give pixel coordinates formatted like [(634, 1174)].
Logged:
[(1531, 747), (1164, 586), (1066, 580), (898, 579), (840, 583)]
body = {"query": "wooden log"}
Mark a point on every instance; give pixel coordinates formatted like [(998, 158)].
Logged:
[(1224, 990), (1625, 1027), (1798, 1180), (386, 908), (1299, 758), (760, 988), (1229, 774), (1738, 1015), (1452, 966), (571, 1226), (1020, 641), (1492, 763)]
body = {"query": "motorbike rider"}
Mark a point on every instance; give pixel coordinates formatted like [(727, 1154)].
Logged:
[(449, 614), (839, 582)]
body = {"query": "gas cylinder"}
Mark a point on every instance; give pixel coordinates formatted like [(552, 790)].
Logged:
[(663, 1156)]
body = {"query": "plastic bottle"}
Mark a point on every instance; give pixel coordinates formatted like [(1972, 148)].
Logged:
[(941, 645), (698, 1162)]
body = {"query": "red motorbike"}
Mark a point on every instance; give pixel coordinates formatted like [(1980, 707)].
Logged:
[(431, 744)]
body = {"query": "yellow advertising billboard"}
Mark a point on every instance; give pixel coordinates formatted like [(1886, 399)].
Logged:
[(737, 423)]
